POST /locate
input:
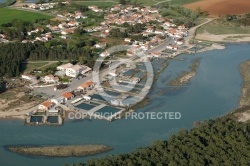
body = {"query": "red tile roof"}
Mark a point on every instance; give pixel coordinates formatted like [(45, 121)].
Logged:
[(68, 95)]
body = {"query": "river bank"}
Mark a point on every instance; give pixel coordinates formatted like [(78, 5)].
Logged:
[(59, 151), (244, 101)]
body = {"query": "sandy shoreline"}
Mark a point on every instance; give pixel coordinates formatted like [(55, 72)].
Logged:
[(225, 38)]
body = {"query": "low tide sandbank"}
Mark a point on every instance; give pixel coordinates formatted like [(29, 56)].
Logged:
[(59, 151)]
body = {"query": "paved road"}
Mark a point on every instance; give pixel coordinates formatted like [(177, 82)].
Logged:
[(161, 47)]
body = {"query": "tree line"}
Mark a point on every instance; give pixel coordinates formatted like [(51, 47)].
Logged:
[(222, 141), (13, 54)]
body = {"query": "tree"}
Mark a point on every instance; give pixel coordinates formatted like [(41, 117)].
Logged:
[(122, 2)]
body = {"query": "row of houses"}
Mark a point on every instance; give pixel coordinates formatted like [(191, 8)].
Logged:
[(119, 14), (95, 9), (50, 105), (44, 6), (68, 69)]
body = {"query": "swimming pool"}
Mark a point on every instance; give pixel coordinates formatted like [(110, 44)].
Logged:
[(112, 93), (52, 119), (129, 72), (34, 119), (86, 106), (140, 74)]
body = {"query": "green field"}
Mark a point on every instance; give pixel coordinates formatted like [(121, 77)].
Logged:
[(6, 15), (108, 3), (32, 66), (220, 27)]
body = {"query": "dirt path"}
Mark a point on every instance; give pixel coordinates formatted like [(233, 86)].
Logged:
[(192, 31)]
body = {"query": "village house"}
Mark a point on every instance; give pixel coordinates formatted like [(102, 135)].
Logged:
[(105, 54), (100, 45), (87, 85), (180, 41), (50, 79), (85, 70), (103, 34), (150, 29), (160, 32), (95, 8), (74, 71), (45, 106), (155, 54), (53, 28), (171, 47), (63, 25), (64, 67), (28, 77), (68, 31), (181, 27), (73, 23), (67, 96), (127, 40)]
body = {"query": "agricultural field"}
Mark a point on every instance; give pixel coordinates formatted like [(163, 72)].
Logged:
[(220, 26), (9, 14), (217, 8)]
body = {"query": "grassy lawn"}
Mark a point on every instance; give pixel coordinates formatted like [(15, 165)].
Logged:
[(101, 4), (6, 15), (219, 27), (32, 66)]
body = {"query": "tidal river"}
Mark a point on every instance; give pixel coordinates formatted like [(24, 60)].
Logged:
[(213, 92)]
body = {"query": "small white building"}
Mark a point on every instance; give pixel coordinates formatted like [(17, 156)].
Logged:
[(64, 67), (127, 40), (58, 100), (105, 54), (87, 98), (87, 85), (50, 79), (45, 106), (28, 77), (100, 45)]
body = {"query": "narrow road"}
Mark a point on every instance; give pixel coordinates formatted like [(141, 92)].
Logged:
[(192, 31)]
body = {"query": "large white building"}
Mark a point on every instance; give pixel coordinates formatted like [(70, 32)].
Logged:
[(75, 70)]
